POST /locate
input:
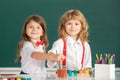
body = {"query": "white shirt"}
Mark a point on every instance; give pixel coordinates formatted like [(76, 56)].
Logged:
[(73, 54), (30, 65)]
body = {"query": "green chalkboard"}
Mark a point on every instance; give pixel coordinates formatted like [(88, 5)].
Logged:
[(103, 17)]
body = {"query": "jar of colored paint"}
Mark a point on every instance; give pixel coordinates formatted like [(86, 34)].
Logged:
[(23, 78), (75, 72), (81, 72), (29, 79), (11, 78), (86, 72), (62, 73), (18, 78), (69, 73)]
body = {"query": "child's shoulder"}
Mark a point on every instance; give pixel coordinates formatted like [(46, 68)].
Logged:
[(86, 44), (59, 41)]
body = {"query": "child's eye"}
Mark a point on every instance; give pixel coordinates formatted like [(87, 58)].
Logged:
[(68, 23), (38, 27), (76, 24), (30, 26)]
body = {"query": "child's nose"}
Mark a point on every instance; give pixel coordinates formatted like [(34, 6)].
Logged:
[(72, 25), (34, 28)]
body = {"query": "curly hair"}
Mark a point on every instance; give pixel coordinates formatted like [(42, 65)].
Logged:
[(73, 15)]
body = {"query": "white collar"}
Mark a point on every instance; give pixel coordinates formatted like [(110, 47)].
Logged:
[(34, 40), (72, 41)]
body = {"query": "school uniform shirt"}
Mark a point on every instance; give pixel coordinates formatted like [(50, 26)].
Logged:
[(30, 65), (74, 54)]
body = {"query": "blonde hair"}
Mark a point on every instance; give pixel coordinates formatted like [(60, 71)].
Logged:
[(25, 37), (73, 15)]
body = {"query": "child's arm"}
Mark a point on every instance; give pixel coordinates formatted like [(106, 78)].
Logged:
[(50, 56), (58, 57), (52, 63), (88, 60)]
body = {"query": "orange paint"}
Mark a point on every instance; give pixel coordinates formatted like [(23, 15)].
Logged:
[(81, 72), (62, 73)]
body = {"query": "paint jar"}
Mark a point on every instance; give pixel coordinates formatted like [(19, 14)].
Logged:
[(81, 72), (86, 72), (18, 78), (11, 78), (75, 72), (69, 73), (29, 79), (62, 73), (23, 78)]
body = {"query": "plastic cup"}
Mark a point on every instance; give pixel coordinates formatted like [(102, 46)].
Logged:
[(81, 72), (11, 78), (86, 72), (69, 73), (75, 72), (29, 79), (18, 78), (23, 78), (62, 73)]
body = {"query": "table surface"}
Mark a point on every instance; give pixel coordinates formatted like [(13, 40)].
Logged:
[(51, 75)]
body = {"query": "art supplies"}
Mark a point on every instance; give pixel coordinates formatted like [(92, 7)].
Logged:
[(15, 78), (80, 72), (105, 67), (75, 72), (84, 72), (62, 73), (105, 71), (106, 59), (69, 73), (59, 64)]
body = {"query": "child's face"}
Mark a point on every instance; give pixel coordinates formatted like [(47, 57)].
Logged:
[(72, 28), (34, 30)]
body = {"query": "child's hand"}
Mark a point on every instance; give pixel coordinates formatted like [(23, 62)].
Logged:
[(57, 58), (60, 57)]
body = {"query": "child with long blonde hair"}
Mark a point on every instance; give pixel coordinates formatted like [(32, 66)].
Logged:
[(72, 42)]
